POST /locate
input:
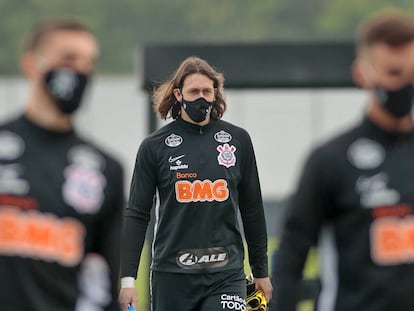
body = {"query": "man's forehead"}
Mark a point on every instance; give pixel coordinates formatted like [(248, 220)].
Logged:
[(383, 48), (70, 40), (198, 81), (381, 52)]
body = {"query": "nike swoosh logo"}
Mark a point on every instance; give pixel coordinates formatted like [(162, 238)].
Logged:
[(172, 160)]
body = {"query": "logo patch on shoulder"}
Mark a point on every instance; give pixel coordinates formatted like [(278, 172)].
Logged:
[(365, 153), (11, 145), (222, 137), (173, 140), (226, 155)]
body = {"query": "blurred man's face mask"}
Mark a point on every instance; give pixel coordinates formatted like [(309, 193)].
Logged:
[(66, 87), (397, 102)]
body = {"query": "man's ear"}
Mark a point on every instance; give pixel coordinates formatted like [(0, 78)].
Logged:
[(28, 66), (177, 94), (360, 73)]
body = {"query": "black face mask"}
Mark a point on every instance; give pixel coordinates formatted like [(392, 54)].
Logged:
[(66, 87), (397, 102), (197, 110)]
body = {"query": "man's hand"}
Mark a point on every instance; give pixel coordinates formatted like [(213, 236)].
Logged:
[(128, 295), (265, 286)]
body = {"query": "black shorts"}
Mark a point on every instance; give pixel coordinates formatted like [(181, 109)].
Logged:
[(217, 291)]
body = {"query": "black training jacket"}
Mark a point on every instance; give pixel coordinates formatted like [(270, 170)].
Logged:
[(203, 176), (361, 186), (61, 207)]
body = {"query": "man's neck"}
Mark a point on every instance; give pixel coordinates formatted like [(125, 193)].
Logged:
[(385, 120), (44, 113)]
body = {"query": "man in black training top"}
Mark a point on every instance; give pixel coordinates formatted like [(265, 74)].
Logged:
[(61, 197), (204, 171), (359, 187)]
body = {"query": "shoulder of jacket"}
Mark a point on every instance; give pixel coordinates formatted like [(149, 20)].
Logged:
[(232, 128)]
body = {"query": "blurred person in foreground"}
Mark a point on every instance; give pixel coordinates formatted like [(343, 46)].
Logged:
[(61, 197), (356, 191), (203, 172)]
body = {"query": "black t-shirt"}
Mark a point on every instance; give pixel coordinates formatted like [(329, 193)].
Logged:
[(361, 185), (61, 207), (202, 176)]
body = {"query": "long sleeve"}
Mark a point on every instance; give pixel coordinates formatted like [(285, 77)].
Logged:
[(110, 229), (137, 214), (307, 212), (252, 212)]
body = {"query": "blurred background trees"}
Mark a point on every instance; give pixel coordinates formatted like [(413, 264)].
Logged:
[(123, 26)]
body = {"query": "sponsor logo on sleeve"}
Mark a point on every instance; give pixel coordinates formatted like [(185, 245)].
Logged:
[(213, 257), (173, 140)]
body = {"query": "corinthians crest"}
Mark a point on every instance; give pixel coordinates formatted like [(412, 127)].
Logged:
[(226, 156)]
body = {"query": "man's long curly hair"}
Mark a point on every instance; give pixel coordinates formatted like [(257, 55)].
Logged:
[(164, 101)]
